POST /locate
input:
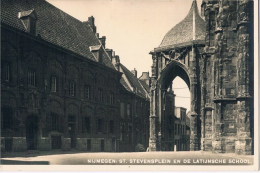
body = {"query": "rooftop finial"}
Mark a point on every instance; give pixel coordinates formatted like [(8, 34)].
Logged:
[(194, 6)]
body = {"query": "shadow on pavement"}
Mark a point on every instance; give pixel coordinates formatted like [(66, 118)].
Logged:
[(18, 162)]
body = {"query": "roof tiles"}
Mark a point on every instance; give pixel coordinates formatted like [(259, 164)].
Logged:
[(182, 33), (54, 26)]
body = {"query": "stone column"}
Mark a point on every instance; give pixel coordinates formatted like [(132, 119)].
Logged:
[(208, 128), (217, 140), (244, 144), (153, 139), (203, 97), (194, 141)]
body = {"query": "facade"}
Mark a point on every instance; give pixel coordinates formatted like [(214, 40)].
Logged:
[(213, 54), (134, 109), (181, 130), (175, 126), (59, 86)]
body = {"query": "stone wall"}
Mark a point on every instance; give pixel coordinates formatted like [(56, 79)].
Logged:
[(228, 45)]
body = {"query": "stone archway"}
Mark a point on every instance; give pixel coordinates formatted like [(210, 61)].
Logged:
[(164, 70)]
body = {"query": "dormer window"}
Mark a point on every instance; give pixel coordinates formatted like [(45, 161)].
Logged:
[(28, 19), (97, 52)]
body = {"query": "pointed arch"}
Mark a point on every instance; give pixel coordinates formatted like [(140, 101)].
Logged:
[(171, 71)]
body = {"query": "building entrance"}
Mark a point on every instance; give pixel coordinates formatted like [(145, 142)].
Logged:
[(32, 132)]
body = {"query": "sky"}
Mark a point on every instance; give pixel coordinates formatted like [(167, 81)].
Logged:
[(133, 28)]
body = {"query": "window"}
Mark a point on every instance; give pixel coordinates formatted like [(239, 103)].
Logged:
[(128, 110), (100, 125), (112, 98), (6, 72), (53, 84), (101, 95), (86, 125), (72, 89), (87, 91), (122, 110), (55, 121), (31, 77), (111, 126)]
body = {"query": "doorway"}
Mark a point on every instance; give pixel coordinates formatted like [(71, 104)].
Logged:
[(32, 132), (72, 130), (56, 142)]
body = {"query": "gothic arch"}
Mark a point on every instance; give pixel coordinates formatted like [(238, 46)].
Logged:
[(171, 71)]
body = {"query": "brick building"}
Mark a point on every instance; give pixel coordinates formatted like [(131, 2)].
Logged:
[(181, 130), (174, 126), (134, 107), (59, 86)]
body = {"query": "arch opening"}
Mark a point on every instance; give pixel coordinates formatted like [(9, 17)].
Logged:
[(173, 110), (170, 72)]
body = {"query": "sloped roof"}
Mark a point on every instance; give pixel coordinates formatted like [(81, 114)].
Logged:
[(135, 83), (54, 26), (183, 33), (144, 84)]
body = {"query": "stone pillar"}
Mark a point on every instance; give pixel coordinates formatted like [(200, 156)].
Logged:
[(203, 74), (217, 140), (194, 142), (244, 141), (194, 138), (208, 128), (153, 139)]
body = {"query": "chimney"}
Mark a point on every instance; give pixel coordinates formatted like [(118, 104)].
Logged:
[(134, 72), (145, 77), (116, 61), (103, 41), (29, 19), (91, 22)]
